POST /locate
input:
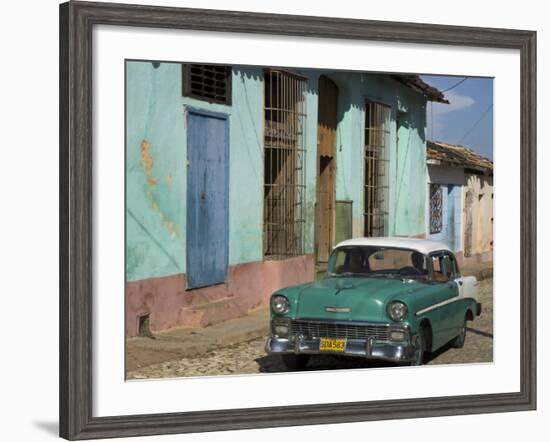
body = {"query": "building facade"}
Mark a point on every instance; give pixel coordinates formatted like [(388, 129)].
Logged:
[(459, 209), (240, 180)]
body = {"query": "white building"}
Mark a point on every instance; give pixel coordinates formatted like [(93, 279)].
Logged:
[(459, 209)]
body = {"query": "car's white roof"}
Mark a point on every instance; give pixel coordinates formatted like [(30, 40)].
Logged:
[(424, 246)]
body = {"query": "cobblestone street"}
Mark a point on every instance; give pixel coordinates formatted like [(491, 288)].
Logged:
[(249, 357)]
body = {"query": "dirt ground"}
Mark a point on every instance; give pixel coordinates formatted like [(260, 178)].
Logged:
[(249, 357)]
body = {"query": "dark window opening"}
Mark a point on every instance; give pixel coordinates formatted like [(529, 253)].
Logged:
[(208, 82)]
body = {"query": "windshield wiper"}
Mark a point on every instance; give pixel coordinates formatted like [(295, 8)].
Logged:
[(387, 275), (349, 274)]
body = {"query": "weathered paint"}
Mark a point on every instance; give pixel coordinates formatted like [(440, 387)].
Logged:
[(156, 177), (156, 158), (473, 221), (409, 166), (481, 213), (155, 239), (248, 286)]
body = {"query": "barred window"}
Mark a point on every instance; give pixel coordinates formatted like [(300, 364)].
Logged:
[(377, 140), (284, 164), (436, 208), (208, 82)]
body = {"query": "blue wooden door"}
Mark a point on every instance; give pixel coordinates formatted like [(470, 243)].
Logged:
[(207, 198)]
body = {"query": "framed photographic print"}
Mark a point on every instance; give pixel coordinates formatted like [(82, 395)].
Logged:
[(272, 220)]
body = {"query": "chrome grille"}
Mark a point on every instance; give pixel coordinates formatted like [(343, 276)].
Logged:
[(322, 329)]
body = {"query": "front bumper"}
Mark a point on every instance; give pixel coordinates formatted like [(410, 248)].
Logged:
[(366, 348)]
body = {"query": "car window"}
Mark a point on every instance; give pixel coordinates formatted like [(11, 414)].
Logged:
[(378, 261), (340, 258), (389, 259), (444, 267)]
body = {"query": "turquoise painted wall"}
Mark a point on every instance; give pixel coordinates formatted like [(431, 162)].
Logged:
[(407, 162), (410, 170), (155, 172), (156, 151), (156, 163)]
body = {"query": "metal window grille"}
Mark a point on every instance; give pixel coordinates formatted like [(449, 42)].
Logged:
[(436, 208), (284, 164), (377, 140), (207, 82)]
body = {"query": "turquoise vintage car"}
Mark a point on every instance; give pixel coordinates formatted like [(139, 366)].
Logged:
[(391, 299)]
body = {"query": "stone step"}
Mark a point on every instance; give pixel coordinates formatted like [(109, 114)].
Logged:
[(210, 313)]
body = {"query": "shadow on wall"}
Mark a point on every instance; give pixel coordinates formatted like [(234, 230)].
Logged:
[(352, 86), (349, 90), (409, 122)]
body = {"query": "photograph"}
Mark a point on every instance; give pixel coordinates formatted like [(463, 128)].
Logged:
[(282, 219)]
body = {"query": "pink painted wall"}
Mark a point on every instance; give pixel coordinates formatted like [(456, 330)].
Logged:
[(247, 286)]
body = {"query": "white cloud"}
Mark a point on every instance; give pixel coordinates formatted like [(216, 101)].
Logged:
[(456, 102), (437, 110)]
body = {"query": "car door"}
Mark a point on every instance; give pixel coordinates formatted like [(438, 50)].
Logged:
[(465, 289), (444, 274)]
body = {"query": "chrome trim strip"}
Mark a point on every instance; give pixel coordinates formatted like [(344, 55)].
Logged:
[(439, 304), (352, 322), (388, 351), (338, 309)]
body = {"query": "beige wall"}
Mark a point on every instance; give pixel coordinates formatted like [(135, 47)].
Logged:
[(478, 217)]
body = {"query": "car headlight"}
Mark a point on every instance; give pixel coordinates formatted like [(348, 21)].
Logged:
[(279, 304), (397, 311)]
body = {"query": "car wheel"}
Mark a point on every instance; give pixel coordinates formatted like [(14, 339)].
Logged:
[(295, 362), (460, 339), (419, 349)]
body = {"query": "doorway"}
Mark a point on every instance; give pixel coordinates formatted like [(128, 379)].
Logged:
[(326, 168)]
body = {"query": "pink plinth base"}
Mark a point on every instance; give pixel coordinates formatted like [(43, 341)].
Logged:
[(169, 304)]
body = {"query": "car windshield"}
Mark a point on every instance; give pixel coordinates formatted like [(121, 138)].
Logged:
[(377, 261)]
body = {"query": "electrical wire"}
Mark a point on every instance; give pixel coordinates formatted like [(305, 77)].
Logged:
[(476, 123), (455, 85)]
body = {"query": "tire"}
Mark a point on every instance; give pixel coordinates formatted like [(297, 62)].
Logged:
[(460, 339), (420, 349), (295, 362)]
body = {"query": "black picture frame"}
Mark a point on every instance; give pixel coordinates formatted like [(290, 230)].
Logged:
[(77, 20)]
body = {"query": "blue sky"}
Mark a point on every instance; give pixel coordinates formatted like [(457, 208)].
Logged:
[(468, 119)]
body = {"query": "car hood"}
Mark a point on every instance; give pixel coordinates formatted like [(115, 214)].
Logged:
[(351, 298)]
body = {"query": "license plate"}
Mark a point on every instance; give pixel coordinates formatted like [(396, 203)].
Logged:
[(329, 344)]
